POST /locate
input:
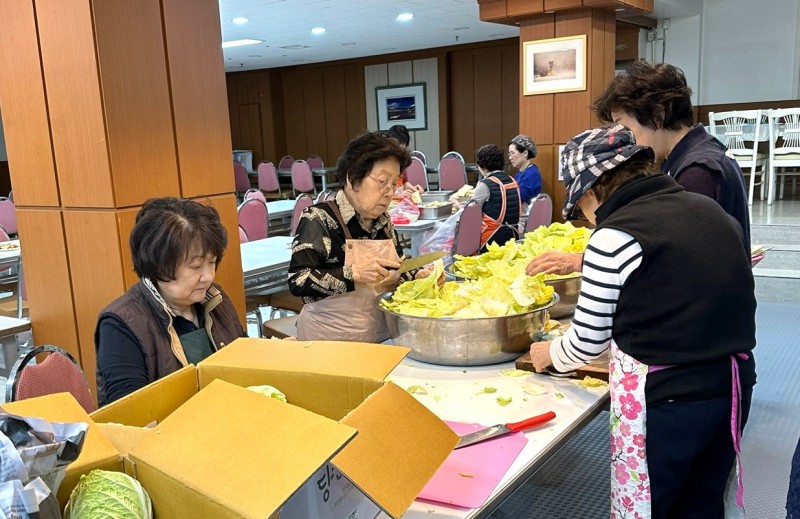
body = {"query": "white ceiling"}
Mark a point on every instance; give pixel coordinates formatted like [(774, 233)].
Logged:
[(357, 28)]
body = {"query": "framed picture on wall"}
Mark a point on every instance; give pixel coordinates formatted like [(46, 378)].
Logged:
[(554, 65), (402, 104)]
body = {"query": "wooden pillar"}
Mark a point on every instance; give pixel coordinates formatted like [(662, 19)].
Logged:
[(105, 105), (552, 119)]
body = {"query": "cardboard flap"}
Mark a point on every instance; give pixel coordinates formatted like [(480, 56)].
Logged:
[(353, 359), (152, 403), (123, 437), (400, 445), (249, 451)]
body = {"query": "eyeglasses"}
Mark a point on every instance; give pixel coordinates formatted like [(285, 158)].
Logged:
[(384, 186)]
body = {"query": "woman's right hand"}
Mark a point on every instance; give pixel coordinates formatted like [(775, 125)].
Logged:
[(555, 262), (375, 272)]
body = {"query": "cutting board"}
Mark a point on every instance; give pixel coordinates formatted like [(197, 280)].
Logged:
[(470, 474), (597, 368)]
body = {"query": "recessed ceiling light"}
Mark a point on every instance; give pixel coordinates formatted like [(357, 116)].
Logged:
[(405, 17), (461, 28), (619, 9), (239, 43), (318, 30), (295, 47), (239, 20), (349, 43)]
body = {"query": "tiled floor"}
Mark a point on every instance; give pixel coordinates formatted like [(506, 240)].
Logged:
[(781, 212)]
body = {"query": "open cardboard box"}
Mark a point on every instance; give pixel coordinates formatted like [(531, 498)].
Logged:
[(219, 450)]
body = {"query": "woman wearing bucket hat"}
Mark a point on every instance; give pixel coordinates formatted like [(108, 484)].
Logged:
[(521, 152), (674, 302)]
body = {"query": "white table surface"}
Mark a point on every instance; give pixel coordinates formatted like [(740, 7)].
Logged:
[(415, 231), (265, 263), (453, 395), (277, 209)]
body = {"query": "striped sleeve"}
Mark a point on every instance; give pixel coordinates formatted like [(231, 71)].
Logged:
[(610, 258)]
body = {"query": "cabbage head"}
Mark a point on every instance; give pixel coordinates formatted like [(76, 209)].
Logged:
[(270, 392), (102, 494)]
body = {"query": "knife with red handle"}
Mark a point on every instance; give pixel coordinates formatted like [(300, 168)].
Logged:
[(501, 429)]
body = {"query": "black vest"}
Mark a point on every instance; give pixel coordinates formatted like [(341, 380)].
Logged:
[(494, 205), (691, 303)]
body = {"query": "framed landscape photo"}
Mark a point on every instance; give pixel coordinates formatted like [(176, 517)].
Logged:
[(402, 104), (554, 65)]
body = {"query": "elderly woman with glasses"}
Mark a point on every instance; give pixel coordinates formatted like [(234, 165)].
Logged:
[(346, 251)]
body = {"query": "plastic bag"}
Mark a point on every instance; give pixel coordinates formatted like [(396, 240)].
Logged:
[(406, 211), (442, 237)]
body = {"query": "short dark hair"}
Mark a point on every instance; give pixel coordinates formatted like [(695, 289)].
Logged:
[(399, 132), (364, 151), (637, 166), (490, 157), (656, 95), (168, 230)]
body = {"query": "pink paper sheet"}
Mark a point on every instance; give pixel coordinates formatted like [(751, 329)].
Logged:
[(470, 474)]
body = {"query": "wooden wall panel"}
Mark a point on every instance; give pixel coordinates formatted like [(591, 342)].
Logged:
[(400, 73), (29, 148), (74, 103), (536, 111), (92, 239), (295, 114), (488, 120), (462, 101), (233, 108), (197, 86), (268, 120), (229, 273), (355, 93), (571, 114), (47, 280), (336, 136), (314, 115), (427, 71), (133, 75), (510, 94), (374, 76)]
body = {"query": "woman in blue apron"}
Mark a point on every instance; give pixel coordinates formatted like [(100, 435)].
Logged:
[(345, 251), (667, 286)]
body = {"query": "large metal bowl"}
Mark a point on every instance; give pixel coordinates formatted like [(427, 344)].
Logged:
[(568, 290), (466, 342)]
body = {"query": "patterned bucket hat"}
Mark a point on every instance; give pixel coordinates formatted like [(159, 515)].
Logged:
[(590, 154), (526, 142)]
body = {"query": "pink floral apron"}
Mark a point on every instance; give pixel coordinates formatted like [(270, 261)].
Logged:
[(630, 481)]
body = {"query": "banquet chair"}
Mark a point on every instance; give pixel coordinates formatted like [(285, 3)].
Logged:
[(8, 216), (302, 178), (784, 152), (323, 196), (256, 194), (241, 180), (286, 162), (253, 217), (736, 136), (468, 230), (268, 181), (540, 212), (243, 235), (59, 372), (454, 154), (416, 174), (11, 195), (315, 161), (452, 173), (303, 201), (421, 156)]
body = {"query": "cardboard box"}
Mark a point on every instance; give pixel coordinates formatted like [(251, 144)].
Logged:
[(222, 451), (97, 453)]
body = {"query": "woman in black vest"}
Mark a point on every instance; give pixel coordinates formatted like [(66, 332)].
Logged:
[(498, 196)]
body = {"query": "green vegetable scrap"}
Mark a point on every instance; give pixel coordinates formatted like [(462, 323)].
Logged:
[(417, 390), (503, 401), (270, 392), (559, 396), (102, 493), (487, 390), (511, 372)]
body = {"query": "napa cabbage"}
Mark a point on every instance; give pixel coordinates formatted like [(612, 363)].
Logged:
[(103, 494)]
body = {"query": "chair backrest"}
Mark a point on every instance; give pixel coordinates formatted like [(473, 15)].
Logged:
[(302, 178), (8, 216), (328, 194), (240, 178), (255, 193), (254, 218), (454, 154), (11, 195), (315, 161), (303, 201), (452, 174), (286, 162), (784, 123), (243, 235), (540, 212), (421, 156), (59, 372), (737, 130), (416, 174), (468, 230), (268, 177)]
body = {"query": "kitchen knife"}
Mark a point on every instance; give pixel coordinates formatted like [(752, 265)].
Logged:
[(500, 429), (421, 261)]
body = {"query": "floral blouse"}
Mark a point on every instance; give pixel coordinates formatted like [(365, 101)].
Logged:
[(317, 268)]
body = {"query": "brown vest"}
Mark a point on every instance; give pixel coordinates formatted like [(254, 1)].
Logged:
[(152, 326)]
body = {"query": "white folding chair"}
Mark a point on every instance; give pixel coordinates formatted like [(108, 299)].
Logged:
[(784, 151), (740, 131)]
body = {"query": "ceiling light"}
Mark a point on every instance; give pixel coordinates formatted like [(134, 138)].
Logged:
[(405, 17), (239, 20), (295, 47), (318, 30), (461, 28), (619, 9), (239, 43)]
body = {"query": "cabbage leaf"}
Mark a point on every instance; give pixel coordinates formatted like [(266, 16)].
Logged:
[(102, 494)]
